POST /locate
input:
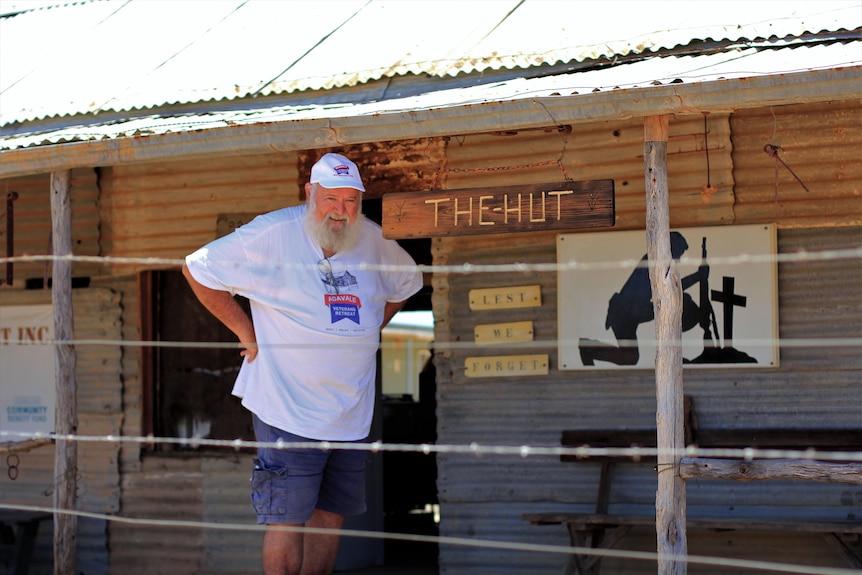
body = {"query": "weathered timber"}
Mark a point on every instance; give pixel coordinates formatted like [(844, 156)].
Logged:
[(66, 416), (667, 304), (782, 438), (758, 470), (508, 209), (23, 446), (586, 521)]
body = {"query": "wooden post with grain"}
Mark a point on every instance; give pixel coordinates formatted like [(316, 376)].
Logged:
[(667, 304), (66, 418)]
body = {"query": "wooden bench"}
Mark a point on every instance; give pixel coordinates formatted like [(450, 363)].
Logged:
[(602, 530)]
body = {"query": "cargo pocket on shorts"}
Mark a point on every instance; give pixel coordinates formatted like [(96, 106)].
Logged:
[(263, 496)]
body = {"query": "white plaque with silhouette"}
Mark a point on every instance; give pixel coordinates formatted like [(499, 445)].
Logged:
[(729, 305)]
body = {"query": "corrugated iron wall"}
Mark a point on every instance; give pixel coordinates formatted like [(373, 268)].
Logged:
[(226, 500), (32, 223), (169, 209), (484, 497), (698, 158), (100, 414), (820, 143), (164, 489), (192, 489), (132, 396)]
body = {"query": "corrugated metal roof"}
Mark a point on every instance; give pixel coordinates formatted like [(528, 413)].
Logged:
[(739, 63), (90, 57)]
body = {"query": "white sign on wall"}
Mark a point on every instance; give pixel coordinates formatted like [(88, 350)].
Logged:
[(730, 306), (27, 388)]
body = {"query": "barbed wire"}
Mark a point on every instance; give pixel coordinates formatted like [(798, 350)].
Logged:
[(825, 343), (800, 256), (474, 448)]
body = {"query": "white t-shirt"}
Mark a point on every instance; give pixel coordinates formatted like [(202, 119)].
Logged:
[(317, 330)]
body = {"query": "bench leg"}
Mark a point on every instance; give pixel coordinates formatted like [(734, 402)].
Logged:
[(591, 564), (578, 563), (844, 549), (596, 539), (571, 566), (25, 538)]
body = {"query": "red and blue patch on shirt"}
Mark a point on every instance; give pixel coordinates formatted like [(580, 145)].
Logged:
[(343, 306)]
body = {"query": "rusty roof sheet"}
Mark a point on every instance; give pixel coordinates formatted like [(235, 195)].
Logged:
[(60, 59)]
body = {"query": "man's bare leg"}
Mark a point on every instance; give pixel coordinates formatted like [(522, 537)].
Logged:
[(297, 553), (320, 550), (282, 551)]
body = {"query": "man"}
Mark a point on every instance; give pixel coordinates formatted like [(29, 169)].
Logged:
[(309, 351)]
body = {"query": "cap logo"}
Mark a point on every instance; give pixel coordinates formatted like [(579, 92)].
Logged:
[(336, 171)]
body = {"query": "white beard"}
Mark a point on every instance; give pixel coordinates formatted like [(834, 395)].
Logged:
[(326, 237)]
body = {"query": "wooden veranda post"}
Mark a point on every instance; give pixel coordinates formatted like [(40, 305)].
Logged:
[(66, 418), (667, 304)]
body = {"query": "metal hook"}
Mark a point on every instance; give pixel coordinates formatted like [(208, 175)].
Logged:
[(772, 150)]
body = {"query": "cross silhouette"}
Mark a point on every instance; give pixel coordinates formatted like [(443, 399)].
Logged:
[(729, 300)]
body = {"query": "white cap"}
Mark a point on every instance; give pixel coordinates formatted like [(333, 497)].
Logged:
[(336, 171)]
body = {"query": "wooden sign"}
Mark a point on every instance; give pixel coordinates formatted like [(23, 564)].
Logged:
[(541, 207), (506, 365), (505, 297), (514, 332), (28, 397)]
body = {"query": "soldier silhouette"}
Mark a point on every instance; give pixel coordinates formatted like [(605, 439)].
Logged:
[(632, 306)]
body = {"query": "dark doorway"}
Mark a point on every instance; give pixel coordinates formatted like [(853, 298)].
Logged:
[(410, 499), (410, 502), (191, 380)]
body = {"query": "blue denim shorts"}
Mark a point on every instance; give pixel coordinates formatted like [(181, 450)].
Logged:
[(288, 484)]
